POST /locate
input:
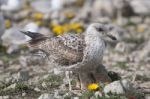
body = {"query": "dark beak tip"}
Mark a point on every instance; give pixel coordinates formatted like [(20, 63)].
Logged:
[(114, 38)]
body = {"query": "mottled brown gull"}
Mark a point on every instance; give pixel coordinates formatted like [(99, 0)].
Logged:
[(78, 52)]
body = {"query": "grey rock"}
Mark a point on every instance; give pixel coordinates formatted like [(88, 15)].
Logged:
[(46, 96), (123, 47), (141, 7), (12, 86), (23, 76), (12, 5), (118, 87), (4, 97)]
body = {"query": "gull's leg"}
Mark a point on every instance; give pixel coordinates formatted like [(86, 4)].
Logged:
[(68, 79), (74, 67)]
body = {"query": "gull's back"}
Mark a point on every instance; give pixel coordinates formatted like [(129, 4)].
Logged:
[(64, 50)]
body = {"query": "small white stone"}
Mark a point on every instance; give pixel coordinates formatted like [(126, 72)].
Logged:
[(75, 97), (13, 86), (98, 94), (23, 94), (44, 84), (37, 89), (118, 87), (45, 96)]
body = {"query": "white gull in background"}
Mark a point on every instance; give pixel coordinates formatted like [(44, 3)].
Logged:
[(12, 5)]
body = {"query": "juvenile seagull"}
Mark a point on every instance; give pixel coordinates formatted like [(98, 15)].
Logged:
[(70, 49), (82, 52)]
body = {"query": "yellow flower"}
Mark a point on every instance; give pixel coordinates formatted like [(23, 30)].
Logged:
[(66, 28), (75, 26), (79, 30), (39, 23), (93, 87), (69, 15), (58, 30), (7, 23), (38, 16)]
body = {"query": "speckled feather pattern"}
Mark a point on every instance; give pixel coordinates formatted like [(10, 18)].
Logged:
[(79, 51), (65, 50)]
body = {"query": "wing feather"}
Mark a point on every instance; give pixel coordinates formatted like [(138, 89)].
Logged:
[(65, 50)]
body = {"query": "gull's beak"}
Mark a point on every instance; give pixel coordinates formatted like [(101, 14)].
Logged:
[(112, 37)]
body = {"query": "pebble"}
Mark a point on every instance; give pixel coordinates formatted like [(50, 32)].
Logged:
[(4, 97), (118, 87), (23, 76), (46, 96), (124, 47)]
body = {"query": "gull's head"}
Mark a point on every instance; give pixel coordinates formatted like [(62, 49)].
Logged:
[(102, 30)]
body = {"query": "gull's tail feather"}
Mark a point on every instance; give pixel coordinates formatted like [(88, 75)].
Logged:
[(35, 37)]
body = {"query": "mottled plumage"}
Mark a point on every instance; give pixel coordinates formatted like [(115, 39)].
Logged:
[(76, 50), (80, 53), (65, 50)]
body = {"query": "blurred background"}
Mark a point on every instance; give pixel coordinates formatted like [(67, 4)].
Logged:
[(129, 56)]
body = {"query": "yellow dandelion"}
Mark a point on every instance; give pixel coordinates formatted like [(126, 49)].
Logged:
[(7, 23), (69, 15), (75, 26), (39, 23), (58, 30), (93, 87), (80, 30), (38, 16), (66, 28)]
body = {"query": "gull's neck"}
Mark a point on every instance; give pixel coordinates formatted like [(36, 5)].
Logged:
[(95, 46)]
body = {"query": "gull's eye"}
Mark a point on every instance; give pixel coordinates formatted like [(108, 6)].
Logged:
[(100, 29)]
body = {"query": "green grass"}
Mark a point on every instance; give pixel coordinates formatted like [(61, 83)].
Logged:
[(122, 65), (52, 81)]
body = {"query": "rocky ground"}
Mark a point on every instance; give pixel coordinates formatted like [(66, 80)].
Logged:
[(27, 76)]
